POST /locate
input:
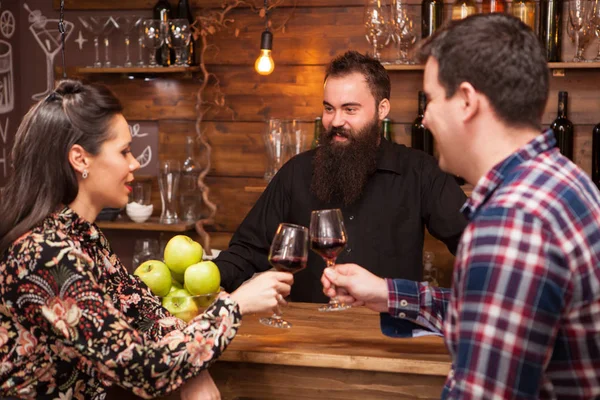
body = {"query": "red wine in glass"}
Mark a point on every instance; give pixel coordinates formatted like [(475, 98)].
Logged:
[(328, 248), (288, 253), (288, 264), (328, 239)]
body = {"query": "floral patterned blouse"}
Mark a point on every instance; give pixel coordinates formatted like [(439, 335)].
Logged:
[(73, 321)]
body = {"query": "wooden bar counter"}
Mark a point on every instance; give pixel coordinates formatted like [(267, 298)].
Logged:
[(339, 355), (325, 356)]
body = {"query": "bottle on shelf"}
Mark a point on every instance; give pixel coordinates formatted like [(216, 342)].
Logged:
[(550, 22), (162, 11), (563, 128), (421, 137), (386, 129), (184, 11), (317, 134), (596, 155), (190, 196), (525, 11), (430, 273), (463, 8), (432, 16), (493, 6)]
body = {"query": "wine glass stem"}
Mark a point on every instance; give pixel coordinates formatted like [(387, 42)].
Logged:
[(330, 263), (106, 55), (96, 47), (127, 60), (576, 45)]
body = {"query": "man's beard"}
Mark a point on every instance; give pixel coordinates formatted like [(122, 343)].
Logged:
[(341, 170)]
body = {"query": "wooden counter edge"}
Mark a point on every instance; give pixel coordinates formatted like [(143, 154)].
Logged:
[(406, 366)]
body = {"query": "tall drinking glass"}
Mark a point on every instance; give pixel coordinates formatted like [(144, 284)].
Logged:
[(328, 238), (376, 17), (288, 253), (168, 183)]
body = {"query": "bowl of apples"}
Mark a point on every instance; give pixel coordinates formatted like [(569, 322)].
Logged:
[(185, 283)]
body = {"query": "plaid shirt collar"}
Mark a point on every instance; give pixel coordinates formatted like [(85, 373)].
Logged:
[(488, 183)]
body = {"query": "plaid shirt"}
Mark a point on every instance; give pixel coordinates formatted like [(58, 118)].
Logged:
[(522, 320)]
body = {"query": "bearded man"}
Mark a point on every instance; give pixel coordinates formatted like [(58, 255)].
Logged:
[(387, 192)]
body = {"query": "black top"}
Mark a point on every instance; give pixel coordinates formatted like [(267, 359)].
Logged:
[(385, 226)]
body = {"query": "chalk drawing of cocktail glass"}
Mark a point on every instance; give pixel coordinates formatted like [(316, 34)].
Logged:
[(95, 26), (7, 86), (46, 33)]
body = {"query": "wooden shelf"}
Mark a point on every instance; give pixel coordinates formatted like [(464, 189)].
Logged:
[(552, 65), (136, 70), (404, 67), (151, 225)]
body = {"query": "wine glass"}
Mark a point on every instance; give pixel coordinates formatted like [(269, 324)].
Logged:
[(126, 24), (153, 38), (404, 30), (596, 26), (95, 26), (110, 25), (178, 38), (328, 238), (288, 253), (585, 35), (579, 16), (376, 24)]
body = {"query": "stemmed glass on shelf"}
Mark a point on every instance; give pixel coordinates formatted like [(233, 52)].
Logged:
[(376, 20), (328, 238), (579, 17), (288, 253), (596, 27), (153, 38)]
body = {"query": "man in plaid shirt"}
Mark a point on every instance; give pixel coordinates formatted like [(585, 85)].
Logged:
[(522, 320)]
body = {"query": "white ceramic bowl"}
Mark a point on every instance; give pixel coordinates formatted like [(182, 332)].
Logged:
[(139, 213)]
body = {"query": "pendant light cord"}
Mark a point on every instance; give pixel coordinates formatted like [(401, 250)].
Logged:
[(61, 29)]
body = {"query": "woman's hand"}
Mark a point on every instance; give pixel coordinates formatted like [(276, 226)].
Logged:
[(201, 387), (263, 293)]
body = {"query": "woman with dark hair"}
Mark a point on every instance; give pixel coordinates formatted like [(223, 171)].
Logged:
[(73, 321)]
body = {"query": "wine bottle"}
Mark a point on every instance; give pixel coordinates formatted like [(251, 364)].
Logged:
[(596, 155), (185, 12), (463, 8), (550, 23), (421, 137), (525, 11), (492, 6), (563, 128), (432, 16), (162, 11), (386, 129), (317, 133)]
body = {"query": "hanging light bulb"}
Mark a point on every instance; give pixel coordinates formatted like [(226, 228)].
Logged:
[(264, 64)]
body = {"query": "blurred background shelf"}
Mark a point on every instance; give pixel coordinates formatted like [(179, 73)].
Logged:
[(552, 65), (151, 225)]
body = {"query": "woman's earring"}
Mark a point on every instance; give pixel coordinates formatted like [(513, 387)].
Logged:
[(84, 174)]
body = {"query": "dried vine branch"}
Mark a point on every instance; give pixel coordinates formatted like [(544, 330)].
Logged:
[(208, 23)]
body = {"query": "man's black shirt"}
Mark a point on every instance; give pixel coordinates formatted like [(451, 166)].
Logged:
[(385, 226)]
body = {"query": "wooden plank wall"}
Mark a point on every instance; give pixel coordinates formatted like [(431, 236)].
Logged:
[(316, 31)]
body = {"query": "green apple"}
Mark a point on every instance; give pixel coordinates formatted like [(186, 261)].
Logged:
[(156, 275), (181, 252), (181, 304), (175, 286), (206, 300), (202, 278)]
